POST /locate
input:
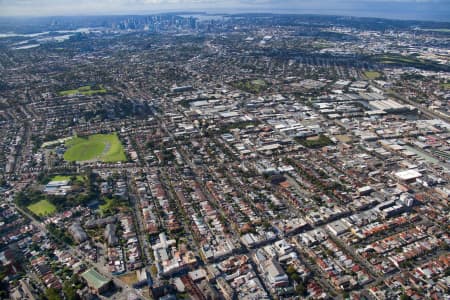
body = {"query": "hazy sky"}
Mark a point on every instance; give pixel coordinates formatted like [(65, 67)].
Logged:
[(404, 9)]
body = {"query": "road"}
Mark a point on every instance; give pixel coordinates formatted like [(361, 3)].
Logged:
[(139, 225)]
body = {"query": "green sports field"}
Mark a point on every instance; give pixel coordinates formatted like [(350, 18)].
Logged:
[(42, 208), (84, 90), (67, 177), (372, 74), (97, 147)]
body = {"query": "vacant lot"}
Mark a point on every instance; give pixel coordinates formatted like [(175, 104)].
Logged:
[(129, 279), (343, 138), (42, 208), (97, 147)]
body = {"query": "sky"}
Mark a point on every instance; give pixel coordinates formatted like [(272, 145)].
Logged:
[(437, 10)]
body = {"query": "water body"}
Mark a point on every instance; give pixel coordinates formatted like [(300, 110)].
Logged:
[(27, 47), (397, 10), (61, 33)]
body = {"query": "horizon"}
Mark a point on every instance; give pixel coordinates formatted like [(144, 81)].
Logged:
[(413, 10)]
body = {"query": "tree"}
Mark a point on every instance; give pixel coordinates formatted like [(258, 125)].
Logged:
[(291, 270), (52, 294), (296, 277), (3, 284), (21, 199), (300, 289), (70, 291), (404, 297)]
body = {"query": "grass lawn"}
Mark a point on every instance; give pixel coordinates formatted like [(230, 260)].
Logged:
[(42, 208), (98, 147), (60, 178), (372, 74), (259, 82), (84, 90), (68, 92), (112, 206), (398, 59), (67, 177), (445, 86), (409, 60), (315, 141), (105, 208), (251, 86)]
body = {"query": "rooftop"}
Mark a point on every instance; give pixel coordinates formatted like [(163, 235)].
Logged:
[(95, 279)]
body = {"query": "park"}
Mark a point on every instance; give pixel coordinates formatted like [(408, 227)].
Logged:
[(97, 147)]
